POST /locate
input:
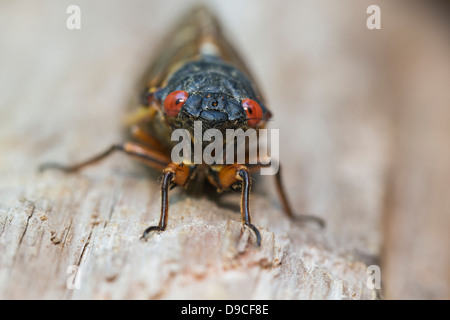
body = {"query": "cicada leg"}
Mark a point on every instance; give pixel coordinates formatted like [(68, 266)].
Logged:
[(283, 197), (171, 173), (152, 158), (176, 174), (231, 174), (143, 136), (165, 185)]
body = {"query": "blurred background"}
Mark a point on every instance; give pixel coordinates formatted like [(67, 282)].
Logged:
[(364, 115)]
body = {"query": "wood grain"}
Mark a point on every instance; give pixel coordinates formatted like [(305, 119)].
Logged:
[(354, 148)]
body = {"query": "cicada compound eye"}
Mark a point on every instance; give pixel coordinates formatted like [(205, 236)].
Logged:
[(174, 101), (254, 112)]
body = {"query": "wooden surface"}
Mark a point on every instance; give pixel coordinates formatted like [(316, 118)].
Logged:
[(364, 123)]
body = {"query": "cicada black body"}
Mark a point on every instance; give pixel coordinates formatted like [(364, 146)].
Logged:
[(197, 77)]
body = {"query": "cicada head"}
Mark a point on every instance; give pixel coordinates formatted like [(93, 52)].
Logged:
[(216, 110), (214, 93)]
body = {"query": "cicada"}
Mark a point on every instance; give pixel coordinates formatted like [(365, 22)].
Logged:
[(198, 76)]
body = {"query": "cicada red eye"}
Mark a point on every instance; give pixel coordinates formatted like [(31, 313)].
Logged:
[(174, 101), (254, 112)]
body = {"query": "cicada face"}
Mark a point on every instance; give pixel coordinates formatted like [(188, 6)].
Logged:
[(213, 92)]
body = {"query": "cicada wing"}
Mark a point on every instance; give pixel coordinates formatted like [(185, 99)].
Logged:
[(198, 34)]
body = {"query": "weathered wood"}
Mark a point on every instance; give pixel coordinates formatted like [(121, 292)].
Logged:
[(417, 219), (64, 94)]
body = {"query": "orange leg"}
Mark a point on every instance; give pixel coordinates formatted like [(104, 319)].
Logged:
[(283, 197), (165, 185), (150, 157), (172, 173), (229, 175), (143, 136)]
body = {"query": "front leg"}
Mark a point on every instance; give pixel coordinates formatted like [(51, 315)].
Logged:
[(173, 174), (165, 185), (244, 175), (228, 176)]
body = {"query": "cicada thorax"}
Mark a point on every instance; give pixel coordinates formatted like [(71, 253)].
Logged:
[(197, 34)]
